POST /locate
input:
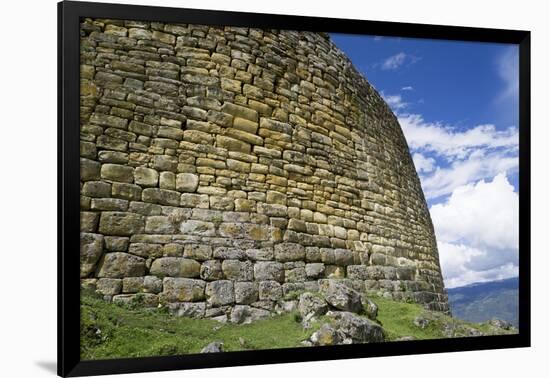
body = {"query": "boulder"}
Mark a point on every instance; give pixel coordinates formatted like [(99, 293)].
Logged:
[(340, 296), (246, 314), (326, 335), (187, 309), (421, 322), (356, 328), (311, 304), (369, 307), (499, 323), (213, 347)]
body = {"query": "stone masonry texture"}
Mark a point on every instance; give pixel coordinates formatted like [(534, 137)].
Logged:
[(225, 166)]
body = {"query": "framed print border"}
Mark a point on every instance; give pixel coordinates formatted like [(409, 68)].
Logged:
[(69, 16)]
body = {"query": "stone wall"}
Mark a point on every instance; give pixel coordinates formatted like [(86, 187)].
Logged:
[(225, 166)]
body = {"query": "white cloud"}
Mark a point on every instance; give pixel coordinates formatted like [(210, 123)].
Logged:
[(454, 264), (461, 156), (394, 61), (407, 88), (508, 71), (486, 214), (394, 101), (446, 141), (422, 163), (477, 231), (478, 165)]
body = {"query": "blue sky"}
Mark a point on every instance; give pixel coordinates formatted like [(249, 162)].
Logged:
[(457, 103)]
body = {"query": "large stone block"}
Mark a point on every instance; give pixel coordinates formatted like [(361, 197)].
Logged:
[(220, 293), (240, 111), (238, 270), (187, 182), (109, 121), (120, 223), (161, 196), (89, 170), (183, 290), (270, 290), (175, 267), (91, 249), (97, 189), (120, 264), (232, 144), (269, 271), (88, 221), (343, 257), (158, 224), (200, 252), (146, 177), (117, 172), (211, 270), (196, 227), (289, 252), (246, 292), (146, 250)]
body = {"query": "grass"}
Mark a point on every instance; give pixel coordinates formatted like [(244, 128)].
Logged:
[(117, 331), (397, 318)]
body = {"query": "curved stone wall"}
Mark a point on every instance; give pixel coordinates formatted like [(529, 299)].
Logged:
[(225, 166)]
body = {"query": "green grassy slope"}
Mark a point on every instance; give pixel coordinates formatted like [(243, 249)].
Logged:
[(117, 331)]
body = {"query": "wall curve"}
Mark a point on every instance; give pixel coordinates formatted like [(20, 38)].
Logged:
[(225, 166)]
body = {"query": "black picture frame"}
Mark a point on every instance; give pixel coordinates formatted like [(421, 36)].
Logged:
[(69, 14)]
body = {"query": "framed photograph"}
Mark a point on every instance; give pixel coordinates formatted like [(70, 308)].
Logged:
[(253, 189)]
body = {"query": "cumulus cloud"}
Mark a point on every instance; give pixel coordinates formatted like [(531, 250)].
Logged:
[(477, 229), (480, 164), (508, 71), (480, 213), (422, 163), (461, 156), (407, 88), (394, 62), (446, 141), (395, 102), (456, 272)]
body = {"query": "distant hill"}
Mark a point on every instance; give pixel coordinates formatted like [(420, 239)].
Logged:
[(480, 302)]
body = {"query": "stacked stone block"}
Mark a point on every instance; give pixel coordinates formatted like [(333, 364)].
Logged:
[(224, 167)]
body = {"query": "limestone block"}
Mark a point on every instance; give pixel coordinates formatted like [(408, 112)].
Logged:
[(120, 264), (121, 223), (183, 290), (187, 182), (175, 267), (199, 252), (289, 252), (109, 286), (211, 270), (238, 270), (91, 249), (268, 270), (246, 292), (220, 293), (146, 177), (270, 290)]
